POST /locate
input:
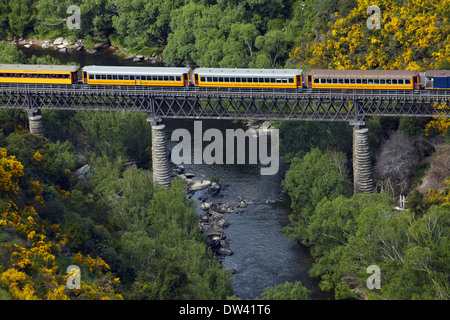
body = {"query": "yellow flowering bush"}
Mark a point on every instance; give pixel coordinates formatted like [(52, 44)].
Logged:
[(32, 257), (442, 197), (414, 34)]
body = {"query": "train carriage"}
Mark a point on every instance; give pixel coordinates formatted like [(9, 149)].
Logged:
[(363, 79), (248, 78), (437, 79), (45, 74), (144, 76)]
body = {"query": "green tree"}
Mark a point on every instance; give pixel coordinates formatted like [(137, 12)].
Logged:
[(287, 291), (274, 45), (10, 54), (21, 16)]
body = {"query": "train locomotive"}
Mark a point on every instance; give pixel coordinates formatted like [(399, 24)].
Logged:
[(228, 78)]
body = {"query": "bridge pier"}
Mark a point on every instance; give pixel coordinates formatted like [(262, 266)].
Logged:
[(160, 159), (35, 122), (362, 167)]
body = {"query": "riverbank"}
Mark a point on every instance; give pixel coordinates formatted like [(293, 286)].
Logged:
[(66, 45)]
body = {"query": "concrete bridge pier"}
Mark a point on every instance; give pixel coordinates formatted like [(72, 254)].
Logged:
[(362, 166), (160, 159), (35, 122)]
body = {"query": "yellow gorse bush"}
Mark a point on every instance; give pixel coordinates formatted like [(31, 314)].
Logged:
[(414, 35), (33, 257)]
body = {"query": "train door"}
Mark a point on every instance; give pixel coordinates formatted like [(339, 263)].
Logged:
[(196, 79), (416, 83), (84, 77), (309, 81)]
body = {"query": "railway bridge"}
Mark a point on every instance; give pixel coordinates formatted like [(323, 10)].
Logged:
[(352, 106)]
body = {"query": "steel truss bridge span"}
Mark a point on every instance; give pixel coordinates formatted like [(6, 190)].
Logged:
[(229, 103)]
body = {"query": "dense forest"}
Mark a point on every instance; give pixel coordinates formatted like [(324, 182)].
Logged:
[(135, 241)]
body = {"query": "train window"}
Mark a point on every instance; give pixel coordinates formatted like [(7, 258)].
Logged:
[(232, 79), (103, 76), (388, 81), (131, 77), (347, 81), (214, 79), (261, 80), (108, 77), (370, 81), (341, 80), (220, 79), (120, 77), (166, 78), (328, 80), (358, 81), (376, 81), (255, 80), (250, 80), (291, 80), (272, 80), (203, 79), (382, 81), (407, 81), (364, 81), (394, 81), (114, 77), (400, 81), (244, 80), (316, 80), (178, 78), (226, 79)]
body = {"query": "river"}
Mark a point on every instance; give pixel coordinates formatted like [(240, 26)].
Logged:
[(262, 256)]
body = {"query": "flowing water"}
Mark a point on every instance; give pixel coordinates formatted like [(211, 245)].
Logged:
[(262, 256)]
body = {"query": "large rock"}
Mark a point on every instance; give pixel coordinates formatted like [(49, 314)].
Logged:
[(82, 172), (199, 185), (58, 41)]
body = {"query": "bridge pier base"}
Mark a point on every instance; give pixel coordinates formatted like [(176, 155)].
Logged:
[(35, 122), (160, 159), (362, 167)]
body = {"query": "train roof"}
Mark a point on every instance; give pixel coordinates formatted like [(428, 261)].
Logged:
[(247, 72), (135, 70), (38, 67), (363, 74), (438, 73)]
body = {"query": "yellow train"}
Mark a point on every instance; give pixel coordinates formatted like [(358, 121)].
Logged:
[(24, 73), (228, 78), (363, 79)]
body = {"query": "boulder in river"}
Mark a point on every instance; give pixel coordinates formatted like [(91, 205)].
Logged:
[(199, 185)]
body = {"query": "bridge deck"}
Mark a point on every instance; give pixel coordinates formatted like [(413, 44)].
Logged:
[(230, 103)]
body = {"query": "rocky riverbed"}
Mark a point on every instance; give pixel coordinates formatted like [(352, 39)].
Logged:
[(212, 220), (66, 45)]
